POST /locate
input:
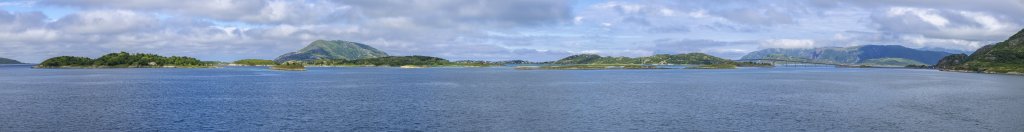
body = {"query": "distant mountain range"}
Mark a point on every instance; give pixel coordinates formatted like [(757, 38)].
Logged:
[(1002, 57), (691, 58), (886, 55), (954, 51), (8, 61), (333, 49)]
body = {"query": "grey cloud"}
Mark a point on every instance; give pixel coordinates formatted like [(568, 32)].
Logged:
[(669, 29), (758, 16), (106, 21), (1013, 8), (451, 13), (946, 24), (20, 20), (249, 11)]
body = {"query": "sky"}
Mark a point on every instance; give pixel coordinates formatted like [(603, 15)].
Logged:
[(535, 30)]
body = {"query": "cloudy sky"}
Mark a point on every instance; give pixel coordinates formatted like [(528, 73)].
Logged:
[(538, 30)]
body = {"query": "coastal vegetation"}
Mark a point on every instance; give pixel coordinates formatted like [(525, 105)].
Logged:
[(714, 66), (289, 66), (1002, 57), (587, 67), (123, 60), (254, 62), (8, 61), (891, 62), (394, 61)]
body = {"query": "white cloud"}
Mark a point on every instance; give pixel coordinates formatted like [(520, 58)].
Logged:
[(945, 24), (930, 16)]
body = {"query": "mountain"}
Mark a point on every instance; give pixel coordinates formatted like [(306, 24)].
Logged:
[(954, 51), (8, 61), (898, 62), (691, 58), (1002, 57), (334, 49), (852, 55)]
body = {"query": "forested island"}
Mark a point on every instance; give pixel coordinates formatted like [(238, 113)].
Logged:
[(124, 60)]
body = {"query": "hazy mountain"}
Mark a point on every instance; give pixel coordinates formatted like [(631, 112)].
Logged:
[(8, 61), (1002, 57), (334, 49), (851, 55), (954, 51)]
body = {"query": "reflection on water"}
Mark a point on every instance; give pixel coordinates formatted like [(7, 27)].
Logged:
[(503, 99)]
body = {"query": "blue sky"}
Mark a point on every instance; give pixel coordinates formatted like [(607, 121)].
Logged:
[(537, 30)]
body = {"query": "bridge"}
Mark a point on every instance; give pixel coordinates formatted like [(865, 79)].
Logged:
[(778, 62)]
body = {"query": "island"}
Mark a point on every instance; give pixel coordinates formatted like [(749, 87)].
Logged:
[(9, 61), (124, 60)]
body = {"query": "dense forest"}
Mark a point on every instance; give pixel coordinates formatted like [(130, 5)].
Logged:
[(122, 60)]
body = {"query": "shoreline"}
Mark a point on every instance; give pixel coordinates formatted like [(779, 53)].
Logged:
[(119, 67), (983, 72)]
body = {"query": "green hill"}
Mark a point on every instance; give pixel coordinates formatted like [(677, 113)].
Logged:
[(850, 55), (8, 61), (1002, 57), (334, 49)]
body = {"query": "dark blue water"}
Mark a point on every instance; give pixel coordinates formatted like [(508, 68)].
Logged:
[(503, 99)]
